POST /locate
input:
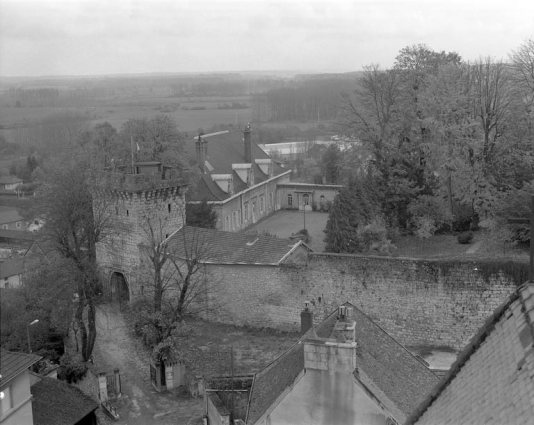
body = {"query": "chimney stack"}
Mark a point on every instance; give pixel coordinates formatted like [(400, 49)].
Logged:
[(200, 147), (248, 144), (306, 318)]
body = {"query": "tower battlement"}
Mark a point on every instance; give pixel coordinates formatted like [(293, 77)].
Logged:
[(124, 182)]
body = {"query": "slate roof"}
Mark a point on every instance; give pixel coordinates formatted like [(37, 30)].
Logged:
[(13, 364), (220, 247), (9, 215), (492, 378), (58, 403), (225, 149), (393, 374)]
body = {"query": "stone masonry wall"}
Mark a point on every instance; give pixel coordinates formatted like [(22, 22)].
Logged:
[(132, 204), (418, 302)]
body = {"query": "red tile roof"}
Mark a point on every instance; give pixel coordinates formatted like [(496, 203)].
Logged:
[(58, 403), (13, 364), (221, 247), (224, 150)]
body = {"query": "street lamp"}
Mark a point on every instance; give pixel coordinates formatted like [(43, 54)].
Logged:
[(28, 331)]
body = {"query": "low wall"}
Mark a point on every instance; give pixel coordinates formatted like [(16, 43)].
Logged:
[(418, 302)]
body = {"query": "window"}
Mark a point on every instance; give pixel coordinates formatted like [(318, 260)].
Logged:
[(169, 207), (227, 222), (7, 400), (306, 199), (234, 219), (18, 224), (127, 213), (270, 201), (262, 203), (290, 199), (238, 218), (246, 212), (5, 226)]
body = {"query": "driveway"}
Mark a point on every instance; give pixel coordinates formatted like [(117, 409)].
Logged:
[(140, 404), (284, 223)]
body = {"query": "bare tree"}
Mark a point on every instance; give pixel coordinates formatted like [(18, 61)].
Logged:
[(523, 65), (178, 283)]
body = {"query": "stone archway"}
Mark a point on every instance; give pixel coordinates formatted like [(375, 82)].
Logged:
[(120, 290)]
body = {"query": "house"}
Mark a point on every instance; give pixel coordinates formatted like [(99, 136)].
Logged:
[(10, 219), (58, 403), (237, 178), (16, 398), (347, 370), (492, 380), (10, 182), (11, 271), (307, 196)]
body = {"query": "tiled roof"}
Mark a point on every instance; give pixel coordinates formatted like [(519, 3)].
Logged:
[(58, 403), (219, 247), (10, 180), (11, 267), (492, 378), (224, 150), (16, 234), (9, 215), (13, 364), (395, 376)]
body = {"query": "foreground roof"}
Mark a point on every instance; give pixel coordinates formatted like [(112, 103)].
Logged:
[(58, 403), (9, 215), (220, 247), (225, 149), (13, 364), (11, 267), (394, 376), (492, 380)]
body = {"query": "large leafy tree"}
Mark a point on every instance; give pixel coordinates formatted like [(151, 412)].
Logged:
[(74, 224)]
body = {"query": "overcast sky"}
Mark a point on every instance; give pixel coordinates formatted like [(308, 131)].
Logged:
[(80, 37)]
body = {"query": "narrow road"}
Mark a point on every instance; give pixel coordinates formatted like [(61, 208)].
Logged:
[(140, 404)]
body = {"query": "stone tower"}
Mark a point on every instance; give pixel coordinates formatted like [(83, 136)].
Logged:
[(142, 207)]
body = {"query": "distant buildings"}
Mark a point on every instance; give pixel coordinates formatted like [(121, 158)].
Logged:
[(237, 178), (10, 182)]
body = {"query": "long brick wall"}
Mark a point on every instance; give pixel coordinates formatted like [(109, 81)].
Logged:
[(418, 302)]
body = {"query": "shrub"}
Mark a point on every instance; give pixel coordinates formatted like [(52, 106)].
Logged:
[(72, 368), (314, 206), (429, 214), (373, 237)]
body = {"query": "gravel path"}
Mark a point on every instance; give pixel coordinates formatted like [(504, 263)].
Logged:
[(140, 404)]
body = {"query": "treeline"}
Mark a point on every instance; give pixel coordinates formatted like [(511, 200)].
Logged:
[(311, 99), (437, 135)]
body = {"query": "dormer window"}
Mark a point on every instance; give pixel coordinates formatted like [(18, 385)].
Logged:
[(266, 166), (244, 171), (225, 182)]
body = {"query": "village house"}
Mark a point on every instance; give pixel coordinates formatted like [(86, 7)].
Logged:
[(237, 178), (10, 219), (491, 381), (347, 370), (10, 182), (11, 272), (15, 395)]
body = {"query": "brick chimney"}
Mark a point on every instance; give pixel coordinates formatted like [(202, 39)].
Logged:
[(306, 318), (248, 144), (200, 147)]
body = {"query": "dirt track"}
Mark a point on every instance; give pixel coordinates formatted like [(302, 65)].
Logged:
[(140, 404)]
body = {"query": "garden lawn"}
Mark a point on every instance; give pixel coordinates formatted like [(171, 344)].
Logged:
[(285, 223)]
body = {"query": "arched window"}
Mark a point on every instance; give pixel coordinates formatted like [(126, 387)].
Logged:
[(290, 199)]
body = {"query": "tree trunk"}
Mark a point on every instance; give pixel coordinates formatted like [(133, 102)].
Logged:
[(91, 325)]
